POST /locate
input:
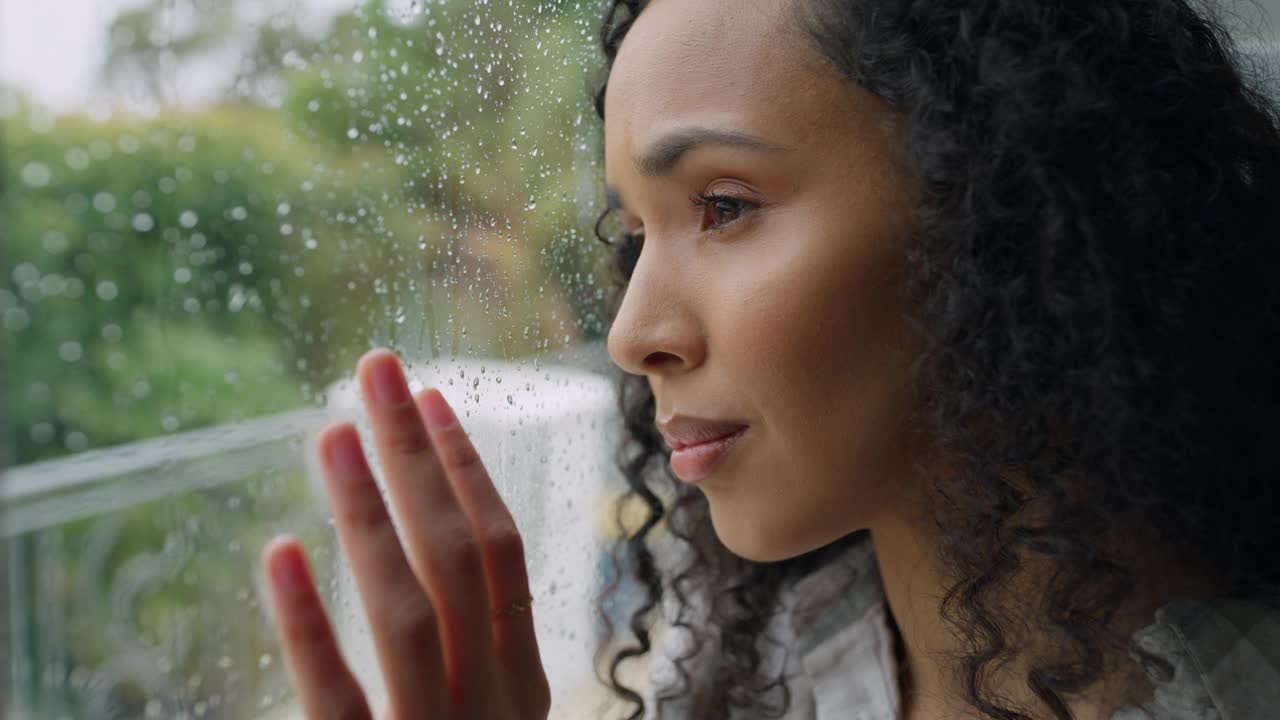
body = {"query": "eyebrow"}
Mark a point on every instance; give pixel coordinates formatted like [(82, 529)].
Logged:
[(663, 155)]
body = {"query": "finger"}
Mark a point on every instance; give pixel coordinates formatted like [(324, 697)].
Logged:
[(438, 536), (501, 546), (401, 618), (324, 684)]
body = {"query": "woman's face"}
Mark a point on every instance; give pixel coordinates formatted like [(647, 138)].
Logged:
[(781, 303)]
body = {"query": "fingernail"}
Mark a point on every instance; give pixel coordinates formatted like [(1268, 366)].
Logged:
[(389, 386), (345, 453), (438, 412), (289, 570)]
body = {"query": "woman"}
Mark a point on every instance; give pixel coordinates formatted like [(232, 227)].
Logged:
[(980, 300)]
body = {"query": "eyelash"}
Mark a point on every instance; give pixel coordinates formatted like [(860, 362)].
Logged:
[(705, 200)]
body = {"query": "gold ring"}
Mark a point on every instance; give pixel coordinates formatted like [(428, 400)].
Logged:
[(514, 608)]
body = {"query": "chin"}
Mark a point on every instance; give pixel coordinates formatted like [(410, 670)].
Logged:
[(755, 542)]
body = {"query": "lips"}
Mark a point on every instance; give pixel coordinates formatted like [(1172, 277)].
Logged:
[(681, 432), (696, 463)]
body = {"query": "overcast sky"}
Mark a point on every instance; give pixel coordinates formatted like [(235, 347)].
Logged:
[(52, 49)]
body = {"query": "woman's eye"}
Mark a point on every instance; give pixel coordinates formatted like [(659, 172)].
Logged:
[(720, 210), (725, 211)]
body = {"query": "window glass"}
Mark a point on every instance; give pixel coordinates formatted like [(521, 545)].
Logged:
[(211, 209)]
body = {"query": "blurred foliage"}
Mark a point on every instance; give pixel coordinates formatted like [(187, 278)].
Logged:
[(410, 170), (155, 281)]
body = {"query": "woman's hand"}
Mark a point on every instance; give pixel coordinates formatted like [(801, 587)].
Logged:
[(449, 608)]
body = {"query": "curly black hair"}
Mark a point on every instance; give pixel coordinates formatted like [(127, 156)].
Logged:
[(1096, 269)]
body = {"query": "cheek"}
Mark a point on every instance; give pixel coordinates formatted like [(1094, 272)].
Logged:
[(816, 308), (818, 341)]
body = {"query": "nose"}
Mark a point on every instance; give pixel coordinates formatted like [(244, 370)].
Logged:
[(656, 330)]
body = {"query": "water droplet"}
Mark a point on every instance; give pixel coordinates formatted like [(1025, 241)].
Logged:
[(42, 433), (36, 174), (70, 351), (54, 242), (16, 319), (76, 158)]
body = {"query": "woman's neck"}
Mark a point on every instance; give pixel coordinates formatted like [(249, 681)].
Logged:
[(913, 589)]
